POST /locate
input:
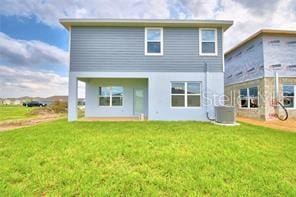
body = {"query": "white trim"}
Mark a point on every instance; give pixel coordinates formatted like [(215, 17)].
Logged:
[(69, 45), (161, 42), (223, 57), (186, 95), (73, 97), (200, 42)]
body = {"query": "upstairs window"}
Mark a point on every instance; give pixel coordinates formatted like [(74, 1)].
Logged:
[(208, 41), (153, 41)]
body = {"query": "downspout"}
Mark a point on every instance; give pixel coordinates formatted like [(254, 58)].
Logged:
[(276, 88), (277, 100), (206, 91)]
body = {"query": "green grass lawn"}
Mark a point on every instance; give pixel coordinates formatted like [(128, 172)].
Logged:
[(147, 158), (12, 112)]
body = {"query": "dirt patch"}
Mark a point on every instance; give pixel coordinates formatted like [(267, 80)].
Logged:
[(15, 124), (288, 125)]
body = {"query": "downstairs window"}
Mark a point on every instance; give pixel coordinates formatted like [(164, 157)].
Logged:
[(111, 96), (249, 97), (185, 94), (289, 96)]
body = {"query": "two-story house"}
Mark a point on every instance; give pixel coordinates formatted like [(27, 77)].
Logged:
[(160, 69), (261, 70)]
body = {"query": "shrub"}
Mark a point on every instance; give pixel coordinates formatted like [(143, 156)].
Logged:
[(59, 107), (41, 111), (54, 108)]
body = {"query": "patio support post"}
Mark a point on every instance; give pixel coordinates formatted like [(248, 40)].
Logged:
[(72, 98)]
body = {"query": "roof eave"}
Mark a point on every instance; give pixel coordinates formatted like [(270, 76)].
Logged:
[(67, 23), (259, 33)]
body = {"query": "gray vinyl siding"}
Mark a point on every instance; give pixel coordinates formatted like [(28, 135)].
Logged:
[(109, 49)]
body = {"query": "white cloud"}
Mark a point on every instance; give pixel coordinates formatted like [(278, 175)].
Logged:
[(201, 9), (17, 82), (248, 16), (30, 53), (49, 11)]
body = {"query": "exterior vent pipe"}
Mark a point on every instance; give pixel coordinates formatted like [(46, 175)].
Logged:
[(277, 100)]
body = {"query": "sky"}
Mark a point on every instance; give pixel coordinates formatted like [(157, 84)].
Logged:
[(34, 55)]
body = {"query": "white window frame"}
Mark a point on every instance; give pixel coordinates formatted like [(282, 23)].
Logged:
[(161, 41), (248, 97), (110, 96), (294, 97), (200, 42), (186, 95)]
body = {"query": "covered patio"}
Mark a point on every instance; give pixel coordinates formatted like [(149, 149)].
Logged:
[(107, 98)]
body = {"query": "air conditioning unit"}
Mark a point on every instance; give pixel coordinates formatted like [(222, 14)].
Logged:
[(225, 114)]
